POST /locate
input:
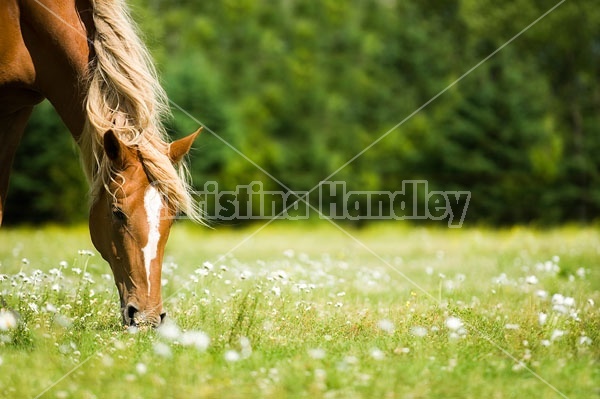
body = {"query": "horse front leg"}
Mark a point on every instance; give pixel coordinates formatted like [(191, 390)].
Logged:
[(12, 127)]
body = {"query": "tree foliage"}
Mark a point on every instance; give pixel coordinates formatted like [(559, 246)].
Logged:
[(300, 87)]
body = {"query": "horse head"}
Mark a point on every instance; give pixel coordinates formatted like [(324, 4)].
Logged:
[(130, 220)]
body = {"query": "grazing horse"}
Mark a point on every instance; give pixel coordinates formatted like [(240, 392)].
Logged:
[(86, 58)]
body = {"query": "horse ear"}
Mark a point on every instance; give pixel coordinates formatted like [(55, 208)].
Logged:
[(112, 146), (179, 148)]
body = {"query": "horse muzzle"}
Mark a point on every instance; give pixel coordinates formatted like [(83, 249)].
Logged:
[(133, 317)]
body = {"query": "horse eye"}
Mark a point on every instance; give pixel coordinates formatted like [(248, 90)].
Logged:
[(118, 214)]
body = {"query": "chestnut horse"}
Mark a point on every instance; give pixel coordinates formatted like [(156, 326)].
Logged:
[(86, 58)]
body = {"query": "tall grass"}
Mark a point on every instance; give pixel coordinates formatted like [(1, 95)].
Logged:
[(296, 311)]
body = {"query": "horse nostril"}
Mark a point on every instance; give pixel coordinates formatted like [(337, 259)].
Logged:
[(131, 311)]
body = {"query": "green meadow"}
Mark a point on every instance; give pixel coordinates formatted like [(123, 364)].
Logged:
[(291, 310)]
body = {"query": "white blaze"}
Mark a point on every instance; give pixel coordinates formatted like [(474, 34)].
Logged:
[(152, 204)]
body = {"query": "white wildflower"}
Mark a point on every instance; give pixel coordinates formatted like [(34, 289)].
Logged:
[(169, 330), (8, 321), (350, 360), (541, 294), (377, 354), (449, 285), (454, 335), (316, 353), (531, 280), (119, 345), (585, 340), (502, 279), (557, 299), (560, 309), (453, 323), (141, 368), (386, 325), (569, 301), (198, 339), (232, 356), (556, 334), (562, 304), (518, 366), (289, 253), (246, 347), (542, 317), (245, 275), (280, 274), (132, 330), (401, 351), (62, 321), (418, 331)]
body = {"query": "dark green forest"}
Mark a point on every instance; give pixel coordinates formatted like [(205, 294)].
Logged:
[(301, 87)]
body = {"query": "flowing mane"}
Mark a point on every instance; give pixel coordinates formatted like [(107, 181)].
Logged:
[(125, 96)]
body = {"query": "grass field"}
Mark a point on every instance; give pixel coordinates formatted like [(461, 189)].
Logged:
[(308, 311)]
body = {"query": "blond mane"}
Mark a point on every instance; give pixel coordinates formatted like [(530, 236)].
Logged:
[(125, 95)]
